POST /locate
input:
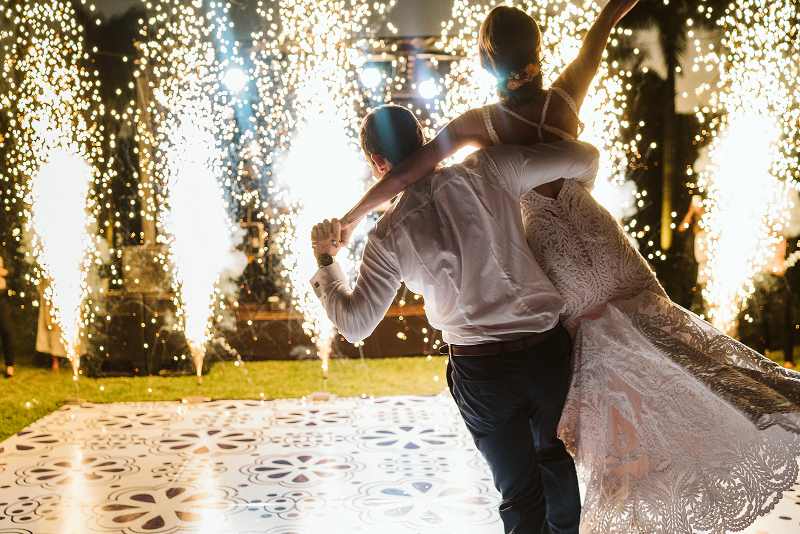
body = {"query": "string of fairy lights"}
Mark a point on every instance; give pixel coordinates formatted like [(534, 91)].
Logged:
[(309, 65)]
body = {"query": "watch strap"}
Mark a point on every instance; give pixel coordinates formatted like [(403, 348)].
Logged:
[(324, 260)]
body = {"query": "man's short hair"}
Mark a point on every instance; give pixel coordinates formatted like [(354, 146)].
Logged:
[(392, 132)]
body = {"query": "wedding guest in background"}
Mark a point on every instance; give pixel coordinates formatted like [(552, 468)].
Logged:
[(7, 341), (48, 333)]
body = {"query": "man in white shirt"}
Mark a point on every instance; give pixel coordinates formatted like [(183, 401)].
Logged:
[(456, 237)]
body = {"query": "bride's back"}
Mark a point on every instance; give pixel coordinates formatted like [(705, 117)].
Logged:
[(515, 132), (546, 117), (509, 45)]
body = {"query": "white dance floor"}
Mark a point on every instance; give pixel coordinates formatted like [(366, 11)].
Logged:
[(385, 466)]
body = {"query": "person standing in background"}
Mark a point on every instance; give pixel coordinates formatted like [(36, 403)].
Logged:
[(6, 331), (48, 333)]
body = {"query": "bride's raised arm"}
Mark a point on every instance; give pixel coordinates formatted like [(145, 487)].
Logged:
[(579, 74), (462, 131)]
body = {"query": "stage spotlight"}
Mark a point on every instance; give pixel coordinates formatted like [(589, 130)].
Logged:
[(235, 79), (428, 89), (371, 77)]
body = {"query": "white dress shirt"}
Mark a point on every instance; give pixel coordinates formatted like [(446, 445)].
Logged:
[(456, 237)]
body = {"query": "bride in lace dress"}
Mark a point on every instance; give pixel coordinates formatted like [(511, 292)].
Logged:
[(675, 427)]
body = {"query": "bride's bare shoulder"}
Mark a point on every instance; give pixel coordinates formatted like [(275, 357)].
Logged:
[(471, 125)]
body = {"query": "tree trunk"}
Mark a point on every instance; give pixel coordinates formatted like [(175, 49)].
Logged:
[(669, 155), (144, 97)]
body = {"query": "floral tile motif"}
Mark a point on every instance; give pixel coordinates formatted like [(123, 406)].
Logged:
[(300, 470), (409, 464), (292, 505), (409, 437), (166, 509), (189, 469), (309, 440), (231, 414), (113, 441), (31, 509), (29, 441), (400, 465), (93, 469), (226, 419), (312, 418), (211, 441), (425, 503), (227, 406), (403, 410), (135, 419)]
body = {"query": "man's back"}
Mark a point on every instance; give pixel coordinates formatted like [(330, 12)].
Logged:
[(456, 237), (459, 241)]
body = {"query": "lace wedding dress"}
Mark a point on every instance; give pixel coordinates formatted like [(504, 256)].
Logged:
[(675, 427)]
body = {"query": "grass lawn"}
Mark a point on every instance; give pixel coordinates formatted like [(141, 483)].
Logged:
[(35, 392)]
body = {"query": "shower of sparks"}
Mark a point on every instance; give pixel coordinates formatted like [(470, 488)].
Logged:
[(564, 23), (323, 173), (755, 152), (54, 156), (305, 63), (192, 126), (61, 240)]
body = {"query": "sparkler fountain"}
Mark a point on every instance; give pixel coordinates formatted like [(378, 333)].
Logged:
[(324, 171), (62, 242), (564, 23), (55, 155), (309, 114), (754, 152), (194, 123)]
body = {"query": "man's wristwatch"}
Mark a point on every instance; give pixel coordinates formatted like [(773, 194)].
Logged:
[(324, 260)]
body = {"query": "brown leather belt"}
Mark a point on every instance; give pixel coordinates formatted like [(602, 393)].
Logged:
[(500, 347)]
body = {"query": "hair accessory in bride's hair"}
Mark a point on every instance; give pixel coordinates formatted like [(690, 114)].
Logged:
[(518, 79)]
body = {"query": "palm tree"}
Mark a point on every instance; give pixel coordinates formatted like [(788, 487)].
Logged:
[(669, 18)]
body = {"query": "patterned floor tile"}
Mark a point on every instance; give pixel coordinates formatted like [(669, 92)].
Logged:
[(347, 466)]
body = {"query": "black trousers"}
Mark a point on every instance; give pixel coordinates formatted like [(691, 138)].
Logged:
[(6, 333), (511, 404)]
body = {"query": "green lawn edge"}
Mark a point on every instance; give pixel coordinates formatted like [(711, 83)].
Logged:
[(34, 392)]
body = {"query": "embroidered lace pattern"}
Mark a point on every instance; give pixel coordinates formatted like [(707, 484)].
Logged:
[(675, 427)]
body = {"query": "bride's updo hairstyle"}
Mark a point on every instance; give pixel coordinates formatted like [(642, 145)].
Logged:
[(509, 44)]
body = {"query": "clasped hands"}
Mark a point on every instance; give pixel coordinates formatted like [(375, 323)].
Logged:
[(330, 236)]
